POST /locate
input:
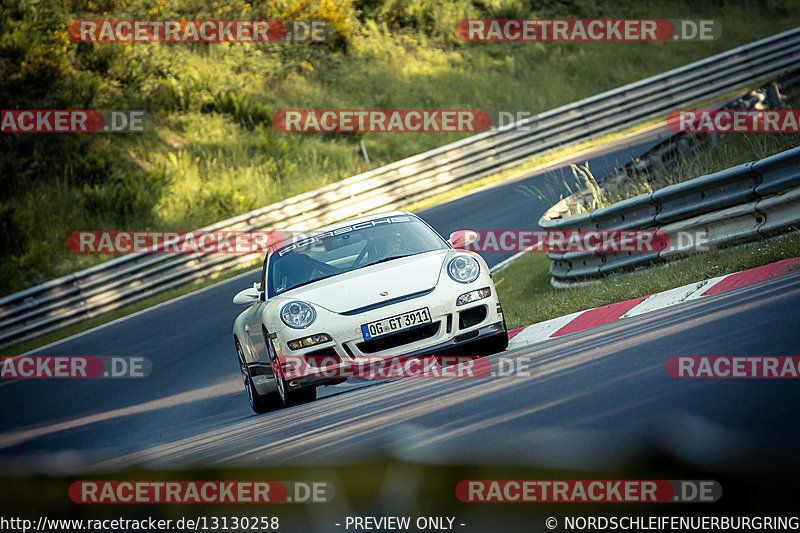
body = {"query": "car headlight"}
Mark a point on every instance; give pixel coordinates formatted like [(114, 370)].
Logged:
[(297, 314), (463, 269)]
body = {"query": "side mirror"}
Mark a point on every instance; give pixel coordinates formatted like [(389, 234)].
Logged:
[(262, 294), (462, 238), (247, 297)]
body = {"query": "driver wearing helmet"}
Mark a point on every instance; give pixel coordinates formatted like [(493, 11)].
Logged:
[(392, 245)]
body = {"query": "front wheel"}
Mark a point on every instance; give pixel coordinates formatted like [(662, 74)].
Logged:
[(287, 397), (259, 404)]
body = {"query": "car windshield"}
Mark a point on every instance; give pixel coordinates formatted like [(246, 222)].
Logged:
[(348, 248)]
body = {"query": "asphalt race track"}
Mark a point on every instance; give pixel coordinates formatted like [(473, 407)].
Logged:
[(599, 397)]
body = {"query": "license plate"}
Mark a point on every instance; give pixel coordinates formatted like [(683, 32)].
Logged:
[(396, 323)]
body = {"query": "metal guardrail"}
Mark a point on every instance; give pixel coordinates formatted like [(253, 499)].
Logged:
[(633, 213), (668, 152), (734, 205), (108, 286)]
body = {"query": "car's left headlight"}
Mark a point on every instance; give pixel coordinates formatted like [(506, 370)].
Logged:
[(463, 269), (298, 315)]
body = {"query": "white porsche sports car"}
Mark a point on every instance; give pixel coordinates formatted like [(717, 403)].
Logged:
[(379, 286)]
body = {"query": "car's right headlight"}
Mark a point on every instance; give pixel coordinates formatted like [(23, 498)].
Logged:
[(463, 269), (298, 315)]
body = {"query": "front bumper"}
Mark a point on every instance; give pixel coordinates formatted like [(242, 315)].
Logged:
[(340, 371), (451, 326)]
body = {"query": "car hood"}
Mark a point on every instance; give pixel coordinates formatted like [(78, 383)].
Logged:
[(363, 287)]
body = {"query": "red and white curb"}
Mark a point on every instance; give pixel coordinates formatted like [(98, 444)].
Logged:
[(606, 314)]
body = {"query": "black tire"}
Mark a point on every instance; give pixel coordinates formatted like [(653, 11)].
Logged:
[(305, 395), (286, 397), (258, 403)]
